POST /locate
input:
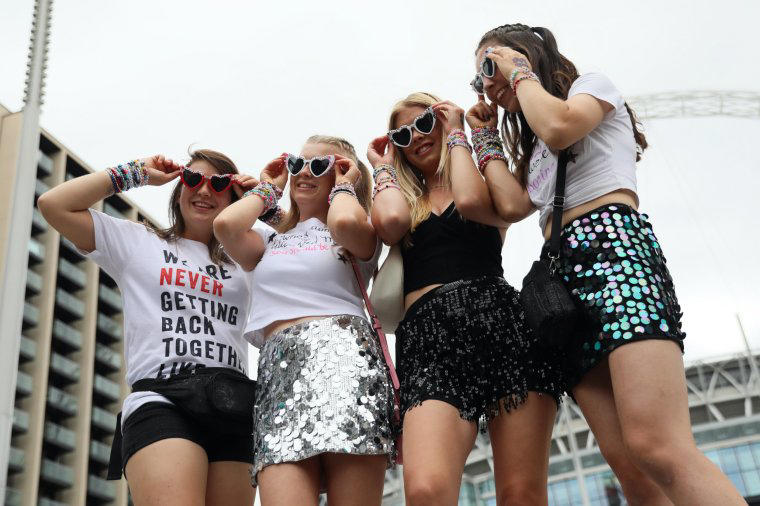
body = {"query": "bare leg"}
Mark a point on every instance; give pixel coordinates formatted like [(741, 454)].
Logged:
[(229, 483), (354, 479), (595, 398), (436, 444), (168, 472), (650, 395), (290, 483), (520, 440)]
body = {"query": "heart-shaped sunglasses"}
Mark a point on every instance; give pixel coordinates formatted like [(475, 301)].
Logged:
[(319, 165), (193, 180), (424, 124)]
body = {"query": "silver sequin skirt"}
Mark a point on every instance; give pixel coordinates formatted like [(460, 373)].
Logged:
[(323, 386)]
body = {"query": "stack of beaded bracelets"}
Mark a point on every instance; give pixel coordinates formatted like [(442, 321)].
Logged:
[(345, 187), (488, 146), (273, 217), (268, 192), (383, 183), (457, 137), (133, 174), (515, 77)]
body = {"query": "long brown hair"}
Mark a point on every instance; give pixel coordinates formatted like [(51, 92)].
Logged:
[(556, 73), (223, 165), (363, 186)]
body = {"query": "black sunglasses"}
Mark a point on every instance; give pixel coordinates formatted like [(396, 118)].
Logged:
[(487, 69), (424, 124), (318, 165)]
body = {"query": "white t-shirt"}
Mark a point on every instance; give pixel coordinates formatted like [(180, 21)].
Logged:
[(301, 274), (605, 158), (181, 310)]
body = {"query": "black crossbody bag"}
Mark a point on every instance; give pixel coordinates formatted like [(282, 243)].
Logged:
[(549, 309), (209, 395)]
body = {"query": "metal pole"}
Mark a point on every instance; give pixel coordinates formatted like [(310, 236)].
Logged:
[(574, 450), (750, 356), (16, 253)]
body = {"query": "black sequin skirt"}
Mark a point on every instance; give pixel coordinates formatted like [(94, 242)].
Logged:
[(466, 343), (613, 265)]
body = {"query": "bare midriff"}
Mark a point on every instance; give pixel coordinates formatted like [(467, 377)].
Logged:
[(626, 197), (281, 325), (411, 297)]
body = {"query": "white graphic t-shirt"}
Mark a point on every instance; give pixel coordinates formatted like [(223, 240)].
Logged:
[(604, 160), (301, 274), (181, 311)]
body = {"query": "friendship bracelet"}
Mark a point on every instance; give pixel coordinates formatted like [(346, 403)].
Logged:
[(268, 192), (273, 217), (345, 187), (457, 137), (488, 146), (531, 76), (515, 78), (384, 186), (384, 168), (133, 174)]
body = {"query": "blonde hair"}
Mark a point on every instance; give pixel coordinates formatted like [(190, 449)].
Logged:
[(363, 186), (410, 179)]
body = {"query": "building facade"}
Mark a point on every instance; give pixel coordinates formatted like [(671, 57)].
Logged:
[(71, 363), (724, 403)]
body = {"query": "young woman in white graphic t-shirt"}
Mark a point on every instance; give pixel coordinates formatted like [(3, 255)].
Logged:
[(185, 307), (623, 362), (324, 400)]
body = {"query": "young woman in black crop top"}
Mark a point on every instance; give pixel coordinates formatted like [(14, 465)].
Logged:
[(463, 350)]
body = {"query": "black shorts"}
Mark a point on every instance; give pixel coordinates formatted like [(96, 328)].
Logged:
[(155, 421), (466, 343), (613, 265)]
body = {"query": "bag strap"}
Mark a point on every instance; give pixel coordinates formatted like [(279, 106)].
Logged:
[(558, 205), (376, 324)]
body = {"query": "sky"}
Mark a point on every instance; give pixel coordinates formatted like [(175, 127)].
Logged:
[(254, 79)]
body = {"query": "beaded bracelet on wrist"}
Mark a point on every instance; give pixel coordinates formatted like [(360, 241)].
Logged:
[(124, 177), (273, 217), (388, 169), (345, 187), (384, 186), (268, 192), (488, 146), (457, 137)]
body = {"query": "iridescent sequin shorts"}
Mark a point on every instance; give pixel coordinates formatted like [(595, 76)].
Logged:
[(613, 264), (466, 343), (322, 387)]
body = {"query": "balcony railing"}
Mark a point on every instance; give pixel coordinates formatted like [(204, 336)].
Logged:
[(36, 251), (40, 187), (27, 349), (44, 164), (39, 224), (100, 488), (56, 473), (100, 452), (16, 460), (24, 384), (112, 211), (64, 367), (106, 387), (13, 497), (31, 315), (62, 401), (72, 273), (103, 419), (44, 501), (110, 296), (20, 421), (60, 436), (74, 306), (33, 282), (67, 334), (110, 327), (107, 357)]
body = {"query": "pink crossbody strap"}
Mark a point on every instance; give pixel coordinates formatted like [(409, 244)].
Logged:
[(376, 324)]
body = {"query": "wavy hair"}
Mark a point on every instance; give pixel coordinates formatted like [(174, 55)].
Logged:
[(556, 73)]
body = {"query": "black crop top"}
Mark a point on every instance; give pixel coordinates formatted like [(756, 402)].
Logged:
[(447, 248)]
